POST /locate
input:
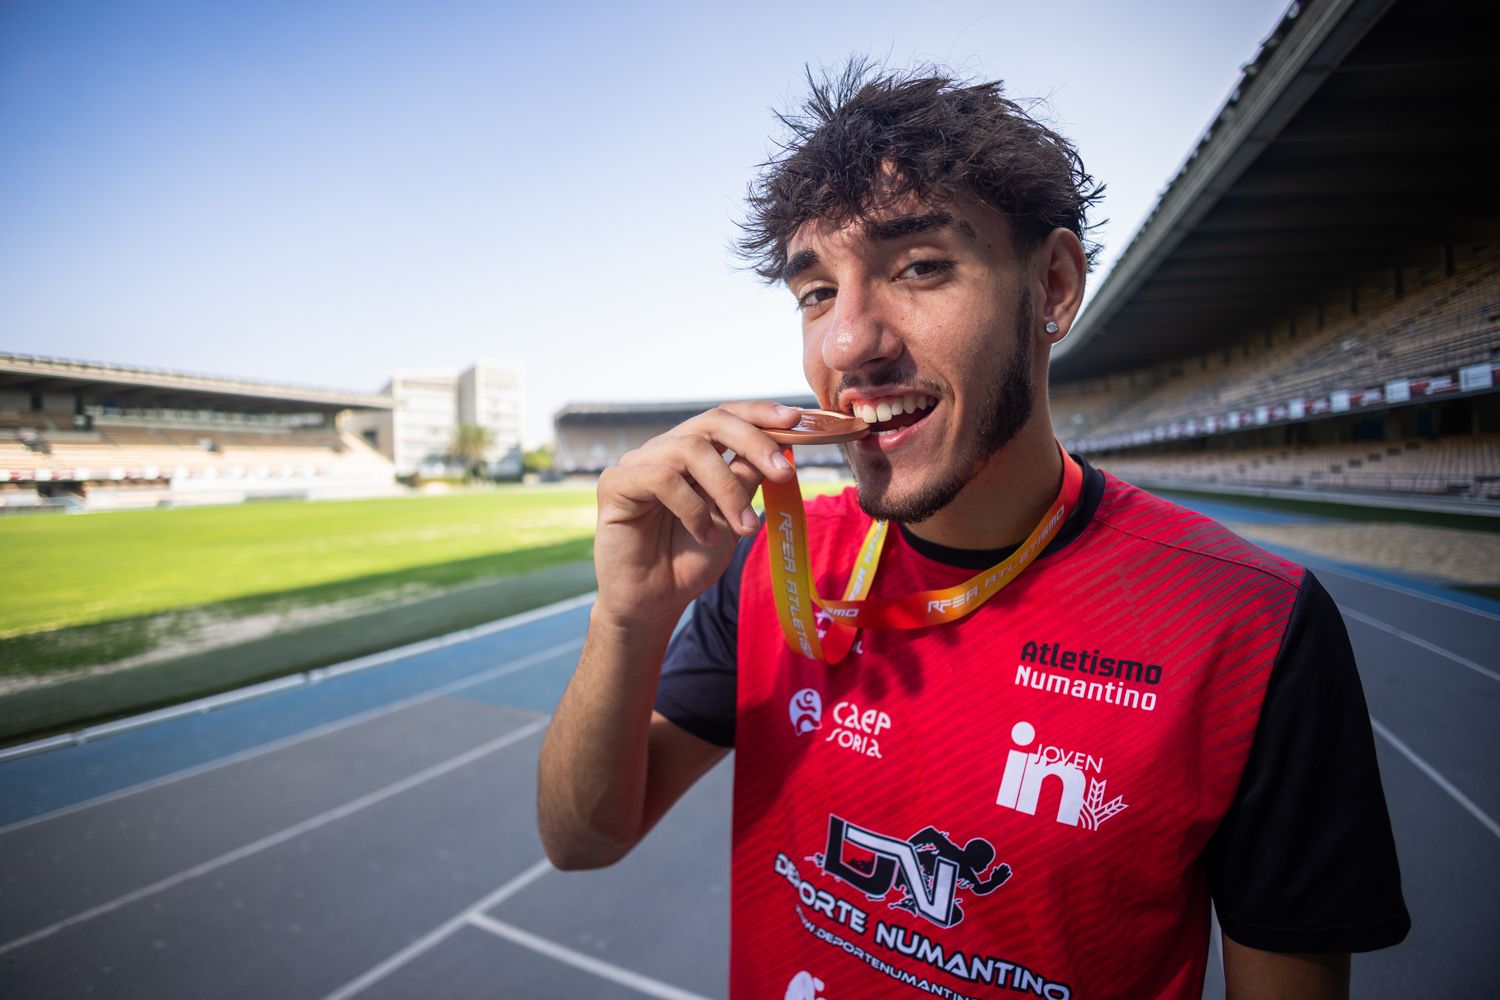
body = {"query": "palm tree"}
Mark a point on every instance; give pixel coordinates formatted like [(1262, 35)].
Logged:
[(470, 442)]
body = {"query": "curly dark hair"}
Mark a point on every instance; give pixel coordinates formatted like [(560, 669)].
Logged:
[(865, 138)]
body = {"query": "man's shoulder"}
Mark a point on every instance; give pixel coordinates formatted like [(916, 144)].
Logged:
[(1145, 519)]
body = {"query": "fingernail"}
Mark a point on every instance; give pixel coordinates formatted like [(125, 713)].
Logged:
[(778, 461), (749, 521), (782, 410)]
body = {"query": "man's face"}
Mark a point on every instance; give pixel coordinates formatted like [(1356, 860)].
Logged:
[(916, 318)]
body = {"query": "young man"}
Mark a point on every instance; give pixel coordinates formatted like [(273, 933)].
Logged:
[(1039, 793)]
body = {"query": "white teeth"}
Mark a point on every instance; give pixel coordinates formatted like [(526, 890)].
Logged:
[(885, 409)]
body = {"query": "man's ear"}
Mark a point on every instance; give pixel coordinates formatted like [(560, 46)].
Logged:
[(1061, 272)]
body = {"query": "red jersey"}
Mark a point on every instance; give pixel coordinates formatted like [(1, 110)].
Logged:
[(1012, 804), (1039, 799)]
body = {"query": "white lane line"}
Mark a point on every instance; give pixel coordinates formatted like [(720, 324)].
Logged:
[(1353, 574), (438, 934), (588, 963), (1418, 641), (236, 758), (282, 836), (1433, 773)]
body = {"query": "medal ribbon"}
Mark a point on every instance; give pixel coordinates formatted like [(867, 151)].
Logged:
[(795, 594)]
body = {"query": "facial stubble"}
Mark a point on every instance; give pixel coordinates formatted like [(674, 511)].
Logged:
[(1008, 405)]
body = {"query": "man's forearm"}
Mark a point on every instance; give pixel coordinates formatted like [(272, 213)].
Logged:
[(1252, 974), (592, 790)]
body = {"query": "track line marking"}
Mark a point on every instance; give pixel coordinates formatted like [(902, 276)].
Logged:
[(604, 970), (1353, 574), (523, 663), (1433, 773), (282, 836), (438, 934), (1423, 643)]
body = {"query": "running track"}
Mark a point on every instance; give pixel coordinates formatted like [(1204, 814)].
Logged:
[(372, 834)]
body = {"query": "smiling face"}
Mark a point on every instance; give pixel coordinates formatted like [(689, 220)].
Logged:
[(918, 319)]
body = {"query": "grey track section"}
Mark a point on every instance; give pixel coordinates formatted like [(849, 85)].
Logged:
[(307, 915), (1444, 711), (82, 859), (677, 880), (475, 963), (662, 913)]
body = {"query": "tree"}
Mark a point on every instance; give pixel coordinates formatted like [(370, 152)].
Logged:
[(537, 459), (470, 442)]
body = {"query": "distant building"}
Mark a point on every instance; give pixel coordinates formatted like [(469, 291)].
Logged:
[(417, 432), (593, 436)]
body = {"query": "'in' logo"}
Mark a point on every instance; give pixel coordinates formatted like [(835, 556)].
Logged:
[(1082, 800)]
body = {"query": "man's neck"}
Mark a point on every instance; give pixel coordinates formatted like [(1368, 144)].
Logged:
[(1003, 503)]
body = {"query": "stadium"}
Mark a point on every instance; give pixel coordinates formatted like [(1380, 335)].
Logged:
[(105, 436), (1311, 312)]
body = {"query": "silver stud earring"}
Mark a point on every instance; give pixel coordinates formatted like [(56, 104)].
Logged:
[(1051, 326)]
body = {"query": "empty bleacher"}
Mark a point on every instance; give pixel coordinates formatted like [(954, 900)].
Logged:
[(1432, 330), (1452, 467)]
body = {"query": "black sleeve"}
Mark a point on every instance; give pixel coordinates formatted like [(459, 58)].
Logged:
[(1304, 860), (697, 689)]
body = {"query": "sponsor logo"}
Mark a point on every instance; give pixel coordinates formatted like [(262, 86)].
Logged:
[(928, 870), (804, 986), (1081, 803), (908, 957), (858, 730), (1046, 666), (806, 711)]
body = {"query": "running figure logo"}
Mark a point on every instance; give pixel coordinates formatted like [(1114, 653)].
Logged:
[(929, 868)]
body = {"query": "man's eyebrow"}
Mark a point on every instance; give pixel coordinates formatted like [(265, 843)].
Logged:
[(882, 232), (908, 225), (801, 261)]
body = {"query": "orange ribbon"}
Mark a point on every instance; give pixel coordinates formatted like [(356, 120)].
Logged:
[(795, 594)]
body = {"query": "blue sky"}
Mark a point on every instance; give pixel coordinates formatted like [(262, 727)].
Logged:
[(323, 192)]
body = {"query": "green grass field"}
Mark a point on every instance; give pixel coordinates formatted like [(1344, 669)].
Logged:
[(102, 567)]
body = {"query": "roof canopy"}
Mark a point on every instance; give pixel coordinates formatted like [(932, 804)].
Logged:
[(1361, 137), (146, 387)]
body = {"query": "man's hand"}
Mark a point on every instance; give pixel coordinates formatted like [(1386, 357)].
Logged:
[(670, 512), (668, 517)]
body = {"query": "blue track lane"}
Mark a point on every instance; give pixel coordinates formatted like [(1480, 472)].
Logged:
[(57, 779)]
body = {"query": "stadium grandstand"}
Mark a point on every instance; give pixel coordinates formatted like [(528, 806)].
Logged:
[(81, 434), (1312, 308), (590, 437)]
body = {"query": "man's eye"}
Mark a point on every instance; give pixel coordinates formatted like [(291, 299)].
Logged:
[(925, 268), (812, 298)]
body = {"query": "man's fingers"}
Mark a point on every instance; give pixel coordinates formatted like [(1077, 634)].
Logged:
[(639, 487), (735, 427), (713, 475)]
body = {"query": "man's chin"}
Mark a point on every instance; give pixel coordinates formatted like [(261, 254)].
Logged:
[(883, 502)]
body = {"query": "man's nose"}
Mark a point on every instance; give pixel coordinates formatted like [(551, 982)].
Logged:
[(860, 332)]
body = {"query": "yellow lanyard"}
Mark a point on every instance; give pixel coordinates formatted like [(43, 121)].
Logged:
[(795, 594)]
